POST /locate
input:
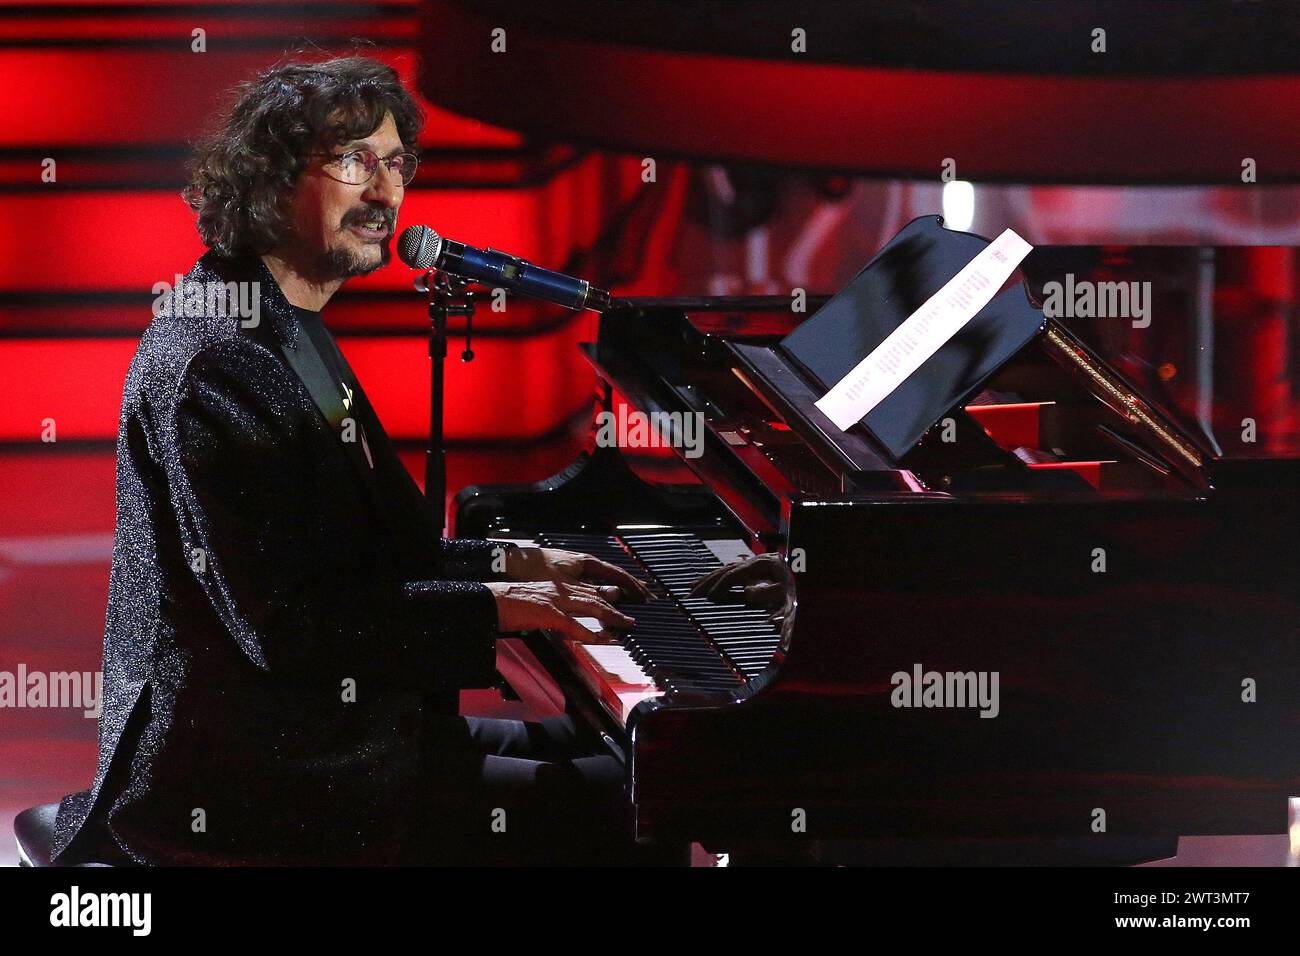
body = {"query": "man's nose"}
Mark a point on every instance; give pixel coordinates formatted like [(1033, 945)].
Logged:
[(385, 187)]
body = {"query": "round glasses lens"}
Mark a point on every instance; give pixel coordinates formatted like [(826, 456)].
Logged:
[(405, 167), (352, 168)]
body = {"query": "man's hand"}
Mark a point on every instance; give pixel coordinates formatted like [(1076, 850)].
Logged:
[(765, 582), (554, 606), (570, 567)]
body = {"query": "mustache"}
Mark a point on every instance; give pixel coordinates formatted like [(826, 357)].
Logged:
[(358, 216)]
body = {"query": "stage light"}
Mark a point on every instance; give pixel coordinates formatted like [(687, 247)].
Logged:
[(958, 204)]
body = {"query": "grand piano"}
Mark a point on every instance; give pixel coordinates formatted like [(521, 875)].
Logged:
[(1108, 523)]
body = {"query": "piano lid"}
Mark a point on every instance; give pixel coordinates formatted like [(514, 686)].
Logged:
[(1016, 90), (1207, 335)]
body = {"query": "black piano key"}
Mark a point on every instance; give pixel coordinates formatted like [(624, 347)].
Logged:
[(743, 660), (765, 647), (661, 657)]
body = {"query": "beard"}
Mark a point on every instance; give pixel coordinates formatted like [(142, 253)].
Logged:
[(346, 263)]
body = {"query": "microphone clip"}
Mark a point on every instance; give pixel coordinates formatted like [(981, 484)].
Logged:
[(449, 295)]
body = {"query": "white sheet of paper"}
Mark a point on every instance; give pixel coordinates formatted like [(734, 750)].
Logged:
[(924, 332)]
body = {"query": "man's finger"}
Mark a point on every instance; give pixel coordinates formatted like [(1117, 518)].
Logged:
[(595, 607), (701, 587), (611, 574), (765, 594), (608, 593), (728, 577), (573, 629), (608, 615)]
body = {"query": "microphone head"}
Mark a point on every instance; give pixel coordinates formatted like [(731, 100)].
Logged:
[(418, 247)]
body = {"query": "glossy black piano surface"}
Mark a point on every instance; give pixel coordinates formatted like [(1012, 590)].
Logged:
[(979, 550)]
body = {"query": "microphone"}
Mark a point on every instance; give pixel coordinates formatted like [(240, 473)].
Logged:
[(422, 248)]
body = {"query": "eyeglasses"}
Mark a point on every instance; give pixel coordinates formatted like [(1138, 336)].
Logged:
[(357, 166)]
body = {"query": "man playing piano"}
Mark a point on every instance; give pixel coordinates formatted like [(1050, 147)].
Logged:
[(286, 630)]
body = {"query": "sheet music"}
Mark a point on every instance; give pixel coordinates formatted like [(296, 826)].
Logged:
[(923, 332)]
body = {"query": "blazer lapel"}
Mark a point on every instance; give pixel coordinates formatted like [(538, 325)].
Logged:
[(327, 395)]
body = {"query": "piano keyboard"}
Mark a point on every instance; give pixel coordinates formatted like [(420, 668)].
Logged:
[(678, 643)]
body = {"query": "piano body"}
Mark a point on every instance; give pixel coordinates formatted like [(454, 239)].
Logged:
[(1130, 579)]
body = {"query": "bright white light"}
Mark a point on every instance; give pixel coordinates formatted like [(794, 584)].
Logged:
[(1293, 831), (958, 204)]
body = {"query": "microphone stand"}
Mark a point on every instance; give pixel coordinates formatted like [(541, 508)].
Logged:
[(450, 296)]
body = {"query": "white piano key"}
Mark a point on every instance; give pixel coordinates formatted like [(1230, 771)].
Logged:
[(615, 660)]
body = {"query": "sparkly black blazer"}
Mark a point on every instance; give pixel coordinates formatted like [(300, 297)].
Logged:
[(282, 611)]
